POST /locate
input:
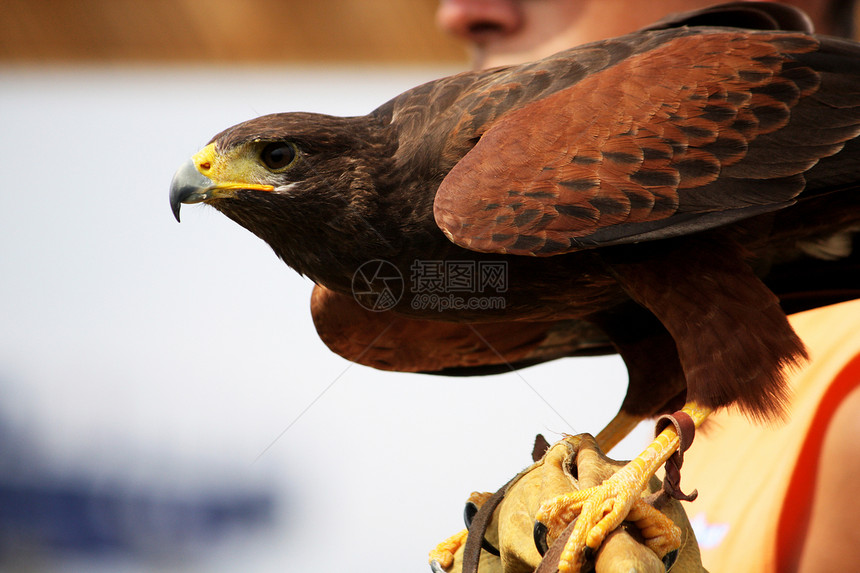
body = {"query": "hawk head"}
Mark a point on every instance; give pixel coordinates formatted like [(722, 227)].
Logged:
[(310, 185)]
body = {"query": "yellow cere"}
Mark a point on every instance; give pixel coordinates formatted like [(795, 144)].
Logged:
[(236, 170)]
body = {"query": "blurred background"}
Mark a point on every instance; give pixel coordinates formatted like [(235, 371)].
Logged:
[(165, 403)]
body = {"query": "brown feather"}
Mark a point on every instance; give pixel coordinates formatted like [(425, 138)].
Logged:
[(675, 96), (392, 342)]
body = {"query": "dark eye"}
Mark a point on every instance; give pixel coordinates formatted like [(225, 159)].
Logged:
[(278, 155)]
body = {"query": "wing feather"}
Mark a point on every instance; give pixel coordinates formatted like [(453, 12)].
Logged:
[(389, 341), (699, 131)]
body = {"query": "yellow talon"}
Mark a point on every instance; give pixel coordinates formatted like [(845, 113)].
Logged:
[(660, 533), (601, 509), (444, 552)]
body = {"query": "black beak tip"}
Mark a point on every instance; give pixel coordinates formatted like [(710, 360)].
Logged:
[(188, 186)]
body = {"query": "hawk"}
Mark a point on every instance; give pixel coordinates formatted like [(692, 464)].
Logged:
[(668, 195)]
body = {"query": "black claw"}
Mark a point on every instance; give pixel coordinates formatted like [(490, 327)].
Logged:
[(469, 513), (589, 553), (539, 532), (670, 558)]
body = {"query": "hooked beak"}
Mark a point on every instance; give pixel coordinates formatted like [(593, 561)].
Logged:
[(227, 178), (189, 186)]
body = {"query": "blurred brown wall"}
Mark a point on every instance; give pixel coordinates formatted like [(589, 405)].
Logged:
[(207, 31)]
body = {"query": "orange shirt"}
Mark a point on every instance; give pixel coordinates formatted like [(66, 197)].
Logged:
[(755, 483)]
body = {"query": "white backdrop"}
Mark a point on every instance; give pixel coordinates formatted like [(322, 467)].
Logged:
[(136, 349)]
